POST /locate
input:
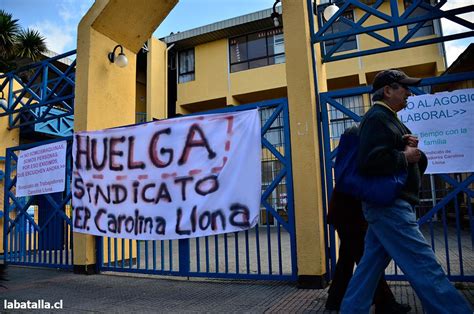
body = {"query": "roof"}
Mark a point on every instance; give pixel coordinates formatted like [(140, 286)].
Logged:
[(52, 54), (464, 63), (239, 25)]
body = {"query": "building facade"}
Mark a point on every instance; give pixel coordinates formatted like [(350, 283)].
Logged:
[(242, 60)]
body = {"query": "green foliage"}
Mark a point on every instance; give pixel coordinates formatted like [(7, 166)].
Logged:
[(18, 46), (8, 30)]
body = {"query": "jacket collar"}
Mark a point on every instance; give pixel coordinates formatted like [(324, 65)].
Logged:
[(381, 103)]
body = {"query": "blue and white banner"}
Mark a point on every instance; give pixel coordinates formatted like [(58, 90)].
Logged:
[(171, 179), (41, 170), (443, 123)]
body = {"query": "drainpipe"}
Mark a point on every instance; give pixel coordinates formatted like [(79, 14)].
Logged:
[(166, 78)]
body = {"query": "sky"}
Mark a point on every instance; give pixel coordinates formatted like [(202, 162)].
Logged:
[(57, 20)]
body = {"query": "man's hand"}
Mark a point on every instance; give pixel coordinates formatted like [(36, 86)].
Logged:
[(410, 140), (412, 154)]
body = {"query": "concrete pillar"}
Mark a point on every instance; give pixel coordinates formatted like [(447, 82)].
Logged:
[(105, 93), (157, 80), (304, 142)]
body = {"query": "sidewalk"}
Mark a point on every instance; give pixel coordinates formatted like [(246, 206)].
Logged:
[(108, 293)]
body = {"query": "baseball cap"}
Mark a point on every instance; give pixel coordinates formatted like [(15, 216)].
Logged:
[(388, 77)]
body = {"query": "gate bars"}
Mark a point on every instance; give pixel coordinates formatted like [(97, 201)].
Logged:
[(37, 229), (267, 251)]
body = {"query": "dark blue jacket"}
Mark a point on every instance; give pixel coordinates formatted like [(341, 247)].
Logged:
[(381, 150)]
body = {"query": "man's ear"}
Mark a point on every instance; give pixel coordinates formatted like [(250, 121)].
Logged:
[(387, 91)]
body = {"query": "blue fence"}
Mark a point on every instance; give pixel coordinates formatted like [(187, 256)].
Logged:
[(445, 213), (41, 95), (406, 25), (37, 229), (267, 251)]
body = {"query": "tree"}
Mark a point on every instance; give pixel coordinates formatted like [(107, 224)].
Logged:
[(18, 46)]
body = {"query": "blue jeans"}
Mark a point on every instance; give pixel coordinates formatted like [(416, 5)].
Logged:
[(394, 233)]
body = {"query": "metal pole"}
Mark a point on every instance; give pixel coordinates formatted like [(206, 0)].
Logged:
[(433, 195)]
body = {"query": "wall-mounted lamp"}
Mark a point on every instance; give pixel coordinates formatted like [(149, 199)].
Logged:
[(120, 60), (330, 10), (3, 101), (275, 15)]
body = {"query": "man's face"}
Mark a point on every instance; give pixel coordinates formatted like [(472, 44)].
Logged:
[(397, 96)]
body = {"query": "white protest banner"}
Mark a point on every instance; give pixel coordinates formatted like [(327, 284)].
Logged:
[(41, 170), (444, 125), (170, 179)]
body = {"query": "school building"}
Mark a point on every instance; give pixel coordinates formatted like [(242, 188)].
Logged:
[(244, 60)]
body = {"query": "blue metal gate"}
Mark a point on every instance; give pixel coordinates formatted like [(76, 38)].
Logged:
[(37, 230), (449, 195), (40, 102), (267, 251), (445, 213)]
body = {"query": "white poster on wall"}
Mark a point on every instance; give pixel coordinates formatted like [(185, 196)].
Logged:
[(170, 179), (444, 125), (41, 170)]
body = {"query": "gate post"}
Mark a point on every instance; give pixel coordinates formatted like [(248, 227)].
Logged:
[(8, 138), (184, 257), (308, 196), (105, 93)]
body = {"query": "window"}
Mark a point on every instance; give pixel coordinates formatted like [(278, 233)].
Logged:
[(339, 27), (338, 120), (257, 50), (427, 28), (275, 133), (186, 66)]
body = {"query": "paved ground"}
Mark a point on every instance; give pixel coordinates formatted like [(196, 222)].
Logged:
[(114, 293)]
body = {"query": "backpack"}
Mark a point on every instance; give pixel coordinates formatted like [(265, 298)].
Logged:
[(378, 190)]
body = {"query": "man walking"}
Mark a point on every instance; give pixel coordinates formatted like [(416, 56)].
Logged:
[(386, 148)]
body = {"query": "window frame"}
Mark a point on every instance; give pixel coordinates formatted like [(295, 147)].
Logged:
[(333, 42), (338, 121), (275, 133), (184, 74), (267, 32), (426, 25)]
